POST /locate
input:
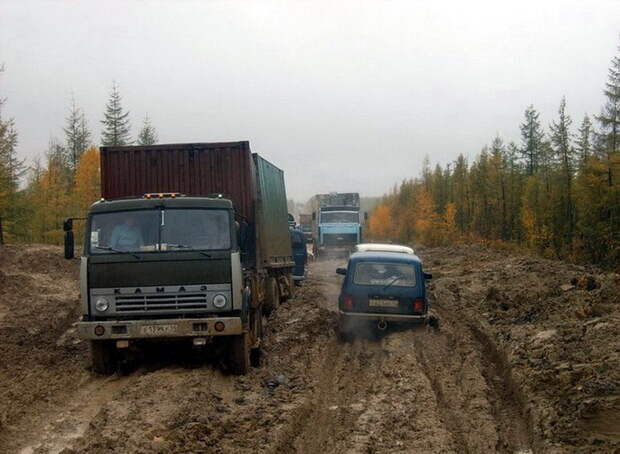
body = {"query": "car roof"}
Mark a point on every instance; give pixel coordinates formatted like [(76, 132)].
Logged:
[(384, 257), (364, 247)]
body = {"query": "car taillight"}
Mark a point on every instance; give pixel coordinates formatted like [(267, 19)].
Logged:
[(418, 305), (348, 302)]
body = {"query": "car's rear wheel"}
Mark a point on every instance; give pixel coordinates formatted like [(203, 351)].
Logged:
[(344, 331), (432, 321)]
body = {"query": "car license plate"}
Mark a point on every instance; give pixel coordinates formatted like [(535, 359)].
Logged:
[(158, 330), (383, 303)]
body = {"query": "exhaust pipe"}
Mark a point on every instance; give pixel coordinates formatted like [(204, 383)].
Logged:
[(382, 325)]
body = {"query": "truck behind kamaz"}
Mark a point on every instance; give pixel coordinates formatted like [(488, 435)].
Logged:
[(305, 224), (336, 223), (190, 243)]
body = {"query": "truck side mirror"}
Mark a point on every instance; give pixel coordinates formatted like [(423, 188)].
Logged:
[(342, 271), (428, 276), (69, 244), (365, 215)]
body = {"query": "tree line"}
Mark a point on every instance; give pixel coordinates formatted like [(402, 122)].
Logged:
[(64, 182), (556, 192)]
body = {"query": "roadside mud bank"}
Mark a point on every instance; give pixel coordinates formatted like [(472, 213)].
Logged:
[(525, 361), (552, 329)]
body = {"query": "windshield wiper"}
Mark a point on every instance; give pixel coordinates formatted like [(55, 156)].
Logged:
[(185, 246), (180, 246), (108, 248), (389, 284)]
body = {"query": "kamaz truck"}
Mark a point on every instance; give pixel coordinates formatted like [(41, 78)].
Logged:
[(336, 223), (189, 244)]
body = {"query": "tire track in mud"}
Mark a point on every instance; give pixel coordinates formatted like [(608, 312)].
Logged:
[(406, 390), (477, 397), (370, 395), (327, 416), (69, 421)]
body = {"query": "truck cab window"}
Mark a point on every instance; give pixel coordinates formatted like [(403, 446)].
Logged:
[(196, 229), (125, 231), (160, 230)]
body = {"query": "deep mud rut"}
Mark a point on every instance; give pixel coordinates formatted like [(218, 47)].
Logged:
[(458, 389)]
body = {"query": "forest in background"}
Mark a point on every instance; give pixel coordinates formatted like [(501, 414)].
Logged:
[(557, 192), (67, 180)]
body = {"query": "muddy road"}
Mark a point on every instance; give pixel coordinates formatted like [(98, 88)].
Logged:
[(525, 360)]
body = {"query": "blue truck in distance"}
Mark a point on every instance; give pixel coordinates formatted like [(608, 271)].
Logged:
[(336, 223)]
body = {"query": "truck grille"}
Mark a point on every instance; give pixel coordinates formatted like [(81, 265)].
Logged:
[(339, 239), (149, 303)]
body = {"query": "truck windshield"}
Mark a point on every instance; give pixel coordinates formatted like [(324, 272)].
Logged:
[(339, 217), (159, 230)]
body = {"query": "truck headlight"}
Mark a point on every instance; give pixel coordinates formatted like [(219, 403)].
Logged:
[(102, 304), (219, 301)]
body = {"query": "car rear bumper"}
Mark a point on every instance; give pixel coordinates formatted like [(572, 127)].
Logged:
[(160, 329), (385, 317)]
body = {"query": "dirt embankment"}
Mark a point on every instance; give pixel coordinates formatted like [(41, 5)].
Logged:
[(40, 358), (554, 326), (524, 361)]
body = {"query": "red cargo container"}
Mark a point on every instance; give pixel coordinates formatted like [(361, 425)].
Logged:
[(196, 169)]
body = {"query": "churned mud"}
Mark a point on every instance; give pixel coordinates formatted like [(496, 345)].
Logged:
[(526, 360)]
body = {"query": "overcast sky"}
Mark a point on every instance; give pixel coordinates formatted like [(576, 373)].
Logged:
[(342, 95)]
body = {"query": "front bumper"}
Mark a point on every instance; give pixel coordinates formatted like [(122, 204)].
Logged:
[(160, 329), (385, 317)]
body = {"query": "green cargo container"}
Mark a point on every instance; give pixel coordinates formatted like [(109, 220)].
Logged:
[(272, 227)]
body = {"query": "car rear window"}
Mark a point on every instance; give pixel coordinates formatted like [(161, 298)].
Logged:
[(384, 273)]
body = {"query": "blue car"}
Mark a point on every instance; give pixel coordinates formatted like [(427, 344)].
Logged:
[(381, 288), (300, 255)]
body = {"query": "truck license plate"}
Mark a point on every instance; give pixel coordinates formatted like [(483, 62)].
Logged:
[(158, 330), (383, 303)]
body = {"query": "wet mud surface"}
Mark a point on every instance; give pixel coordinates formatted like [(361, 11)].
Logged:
[(526, 360)]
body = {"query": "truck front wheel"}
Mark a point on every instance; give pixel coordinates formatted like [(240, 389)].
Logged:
[(239, 354), (104, 356)]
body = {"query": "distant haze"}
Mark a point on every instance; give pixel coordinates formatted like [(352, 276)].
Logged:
[(342, 95)]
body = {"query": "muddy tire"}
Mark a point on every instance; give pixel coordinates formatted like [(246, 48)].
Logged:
[(291, 288), (255, 357), (433, 322), (256, 353), (344, 332), (272, 297), (239, 354), (104, 357)]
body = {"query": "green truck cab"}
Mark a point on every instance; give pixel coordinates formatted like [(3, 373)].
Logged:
[(195, 268)]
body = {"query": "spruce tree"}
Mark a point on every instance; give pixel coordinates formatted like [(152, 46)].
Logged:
[(11, 169), (584, 140), (532, 137), (116, 126), (148, 134), (77, 135), (609, 136), (609, 119), (564, 157)]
